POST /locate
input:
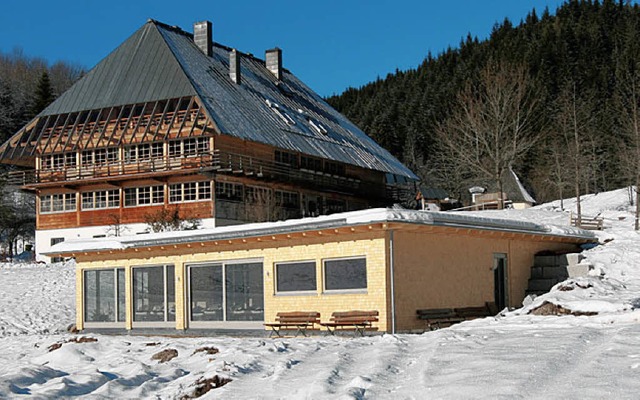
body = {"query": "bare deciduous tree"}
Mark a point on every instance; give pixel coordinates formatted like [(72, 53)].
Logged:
[(574, 123), (491, 125), (628, 98), (170, 219)]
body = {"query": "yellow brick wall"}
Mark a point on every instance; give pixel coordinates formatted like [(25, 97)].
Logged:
[(371, 245), (440, 270)]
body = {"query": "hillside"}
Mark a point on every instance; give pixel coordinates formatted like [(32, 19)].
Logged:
[(585, 48), (514, 355)]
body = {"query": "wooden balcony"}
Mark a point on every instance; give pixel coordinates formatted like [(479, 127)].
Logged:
[(210, 164)]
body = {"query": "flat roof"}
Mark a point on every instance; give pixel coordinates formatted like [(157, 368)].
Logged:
[(347, 219)]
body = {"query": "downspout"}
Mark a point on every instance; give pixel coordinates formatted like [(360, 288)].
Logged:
[(391, 272)]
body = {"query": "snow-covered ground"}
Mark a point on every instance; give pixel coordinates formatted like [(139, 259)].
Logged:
[(518, 355)]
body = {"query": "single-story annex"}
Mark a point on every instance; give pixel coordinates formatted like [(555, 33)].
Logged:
[(239, 277)]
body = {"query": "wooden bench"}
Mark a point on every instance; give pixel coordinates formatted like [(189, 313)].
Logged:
[(469, 313), (590, 223), (358, 320), (301, 321), (436, 318)]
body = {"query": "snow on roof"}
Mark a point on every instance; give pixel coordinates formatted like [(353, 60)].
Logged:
[(526, 196), (353, 218)]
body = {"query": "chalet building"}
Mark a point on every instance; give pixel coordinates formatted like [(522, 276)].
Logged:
[(514, 194), (172, 123), (393, 262)]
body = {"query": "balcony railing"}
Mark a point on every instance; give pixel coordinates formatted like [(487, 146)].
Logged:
[(212, 163)]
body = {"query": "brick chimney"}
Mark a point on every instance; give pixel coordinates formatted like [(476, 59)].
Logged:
[(234, 66), (273, 62), (203, 36)]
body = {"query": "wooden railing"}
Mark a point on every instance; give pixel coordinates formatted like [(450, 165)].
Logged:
[(216, 162)]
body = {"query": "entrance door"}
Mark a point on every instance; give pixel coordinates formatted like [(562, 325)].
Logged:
[(226, 292), (500, 291)]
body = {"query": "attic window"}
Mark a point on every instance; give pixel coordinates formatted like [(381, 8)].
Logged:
[(280, 112)]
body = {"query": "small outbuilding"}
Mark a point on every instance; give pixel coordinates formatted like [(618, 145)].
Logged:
[(239, 277)]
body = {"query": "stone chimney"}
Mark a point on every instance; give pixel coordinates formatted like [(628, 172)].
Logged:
[(203, 36), (273, 62), (234, 66)]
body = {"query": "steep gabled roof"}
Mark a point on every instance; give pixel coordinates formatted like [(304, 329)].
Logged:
[(512, 186), (162, 62), (142, 69)]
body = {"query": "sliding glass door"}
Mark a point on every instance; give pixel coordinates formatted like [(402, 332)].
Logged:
[(228, 291)]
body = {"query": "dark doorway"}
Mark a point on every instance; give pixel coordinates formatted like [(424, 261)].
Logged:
[(500, 280)]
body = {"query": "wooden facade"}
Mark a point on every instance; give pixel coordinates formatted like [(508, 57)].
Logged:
[(158, 126)]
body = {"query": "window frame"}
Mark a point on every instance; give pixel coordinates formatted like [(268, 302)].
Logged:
[(136, 193), (167, 322), (117, 322), (100, 200), (68, 199), (348, 290), (303, 292), (189, 192)]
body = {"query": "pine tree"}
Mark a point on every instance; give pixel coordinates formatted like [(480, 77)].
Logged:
[(43, 95)]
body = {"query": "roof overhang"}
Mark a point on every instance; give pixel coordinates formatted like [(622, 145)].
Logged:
[(344, 223)]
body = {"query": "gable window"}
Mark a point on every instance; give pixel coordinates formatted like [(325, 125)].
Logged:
[(104, 156), (154, 294), (345, 274), (189, 191), (296, 277), (175, 148), (104, 295), (61, 202), (157, 150), (143, 196), (58, 161), (188, 147)]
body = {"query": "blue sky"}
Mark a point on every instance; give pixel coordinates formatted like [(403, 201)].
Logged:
[(329, 44)]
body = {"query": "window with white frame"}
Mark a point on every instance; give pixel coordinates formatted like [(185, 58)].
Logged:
[(104, 295), (143, 196), (59, 202), (100, 199), (189, 191), (297, 276), (345, 274), (175, 148), (188, 147), (58, 161), (99, 156), (154, 294), (157, 150)]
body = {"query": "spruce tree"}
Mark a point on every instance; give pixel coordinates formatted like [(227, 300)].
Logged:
[(43, 95)]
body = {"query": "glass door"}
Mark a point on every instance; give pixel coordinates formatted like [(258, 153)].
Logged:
[(244, 292), (226, 292)]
